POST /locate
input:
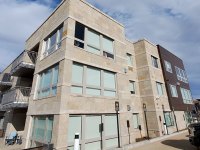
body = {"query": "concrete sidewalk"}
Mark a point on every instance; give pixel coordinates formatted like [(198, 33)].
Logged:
[(176, 141)]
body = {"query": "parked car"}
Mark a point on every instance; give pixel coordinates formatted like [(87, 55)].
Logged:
[(194, 134)]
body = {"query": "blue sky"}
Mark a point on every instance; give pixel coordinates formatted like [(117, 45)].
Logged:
[(173, 24)]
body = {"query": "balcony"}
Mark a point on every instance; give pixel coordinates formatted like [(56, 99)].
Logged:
[(17, 97), (24, 64), (5, 81)]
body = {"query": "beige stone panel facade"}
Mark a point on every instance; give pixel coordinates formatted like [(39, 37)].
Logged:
[(181, 123), (95, 19)]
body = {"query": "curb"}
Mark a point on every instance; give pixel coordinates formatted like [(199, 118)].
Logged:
[(135, 145)]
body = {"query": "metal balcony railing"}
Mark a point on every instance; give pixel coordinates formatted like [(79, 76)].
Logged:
[(5, 81), (26, 60), (16, 97)]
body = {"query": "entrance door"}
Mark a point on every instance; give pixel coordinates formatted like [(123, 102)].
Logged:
[(97, 132)]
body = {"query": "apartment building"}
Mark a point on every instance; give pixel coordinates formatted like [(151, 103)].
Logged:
[(83, 66), (15, 87), (177, 85)]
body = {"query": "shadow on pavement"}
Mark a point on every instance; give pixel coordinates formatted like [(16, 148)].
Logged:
[(179, 144)]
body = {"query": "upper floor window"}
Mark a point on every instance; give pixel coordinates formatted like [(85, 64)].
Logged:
[(129, 59), (186, 95), (93, 41), (53, 41), (132, 87), (92, 81), (48, 83), (168, 66), (181, 75), (173, 91), (159, 88), (154, 61)]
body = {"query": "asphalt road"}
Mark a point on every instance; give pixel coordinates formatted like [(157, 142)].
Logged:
[(178, 142)]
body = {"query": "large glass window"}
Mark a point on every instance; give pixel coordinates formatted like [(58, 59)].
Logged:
[(169, 119), (186, 95), (181, 75), (93, 41), (168, 66), (154, 61), (173, 90), (74, 127), (132, 87), (93, 130), (159, 88), (129, 59), (48, 82), (53, 42), (42, 129), (95, 81)]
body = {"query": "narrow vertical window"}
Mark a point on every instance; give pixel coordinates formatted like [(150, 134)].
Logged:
[(136, 122), (132, 87), (168, 66), (159, 88), (79, 35), (173, 91), (109, 84), (154, 61), (77, 79), (93, 42), (129, 59), (108, 47)]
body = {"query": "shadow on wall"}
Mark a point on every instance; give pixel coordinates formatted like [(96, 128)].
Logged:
[(179, 144)]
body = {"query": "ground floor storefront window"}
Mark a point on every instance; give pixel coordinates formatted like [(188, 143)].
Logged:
[(169, 119), (96, 131), (41, 130)]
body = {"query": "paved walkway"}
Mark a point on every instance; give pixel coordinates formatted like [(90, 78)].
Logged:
[(6, 147), (176, 142)]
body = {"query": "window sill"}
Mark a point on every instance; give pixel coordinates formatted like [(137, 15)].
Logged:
[(38, 99), (46, 56), (94, 53), (90, 96)]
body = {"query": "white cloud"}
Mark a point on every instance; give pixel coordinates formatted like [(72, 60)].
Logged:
[(19, 19), (174, 24)]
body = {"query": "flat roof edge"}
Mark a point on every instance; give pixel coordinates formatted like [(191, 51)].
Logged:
[(46, 20)]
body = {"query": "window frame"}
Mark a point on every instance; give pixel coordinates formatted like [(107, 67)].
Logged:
[(171, 89), (181, 74), (129, 59), (168, 66), (171, 118), (51, 84), (101, 88), (58, 32), (102, 51), (186, 96), (162, 88), (35, 126), (154, 61), (132, 84), (138, 120)]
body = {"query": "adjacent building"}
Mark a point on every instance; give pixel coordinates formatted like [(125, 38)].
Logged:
[(75, 68), (177, 85)]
